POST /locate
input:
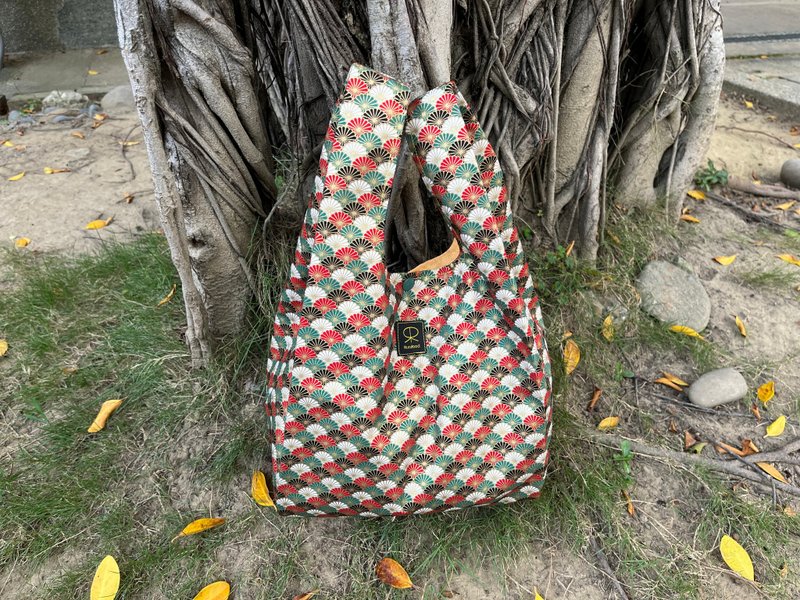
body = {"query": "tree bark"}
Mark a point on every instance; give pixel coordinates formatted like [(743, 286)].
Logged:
[(582, 100)]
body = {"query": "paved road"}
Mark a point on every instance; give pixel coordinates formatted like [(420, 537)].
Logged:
[(755, 27)]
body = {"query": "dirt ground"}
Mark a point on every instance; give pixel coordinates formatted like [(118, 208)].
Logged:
[(52, 211)]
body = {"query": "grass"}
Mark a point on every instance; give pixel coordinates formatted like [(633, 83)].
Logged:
[(183, 444)]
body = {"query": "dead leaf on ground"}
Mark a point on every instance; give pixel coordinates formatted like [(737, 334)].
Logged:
[(725, 260), (748, 447), (772, 471), (688, 440), (219, 590), (776, 428), (392, 573), (696, 194), (106, 580), (78, 134), (570, 248), (736, 557), (128, 198), (789, 511), (106, 409), (698, 447), (572, 356), (669, 383), (98, 223), (127, 143), (608, 328), (766, 391), (789, 258), (52, 171), (93, 72), (674, 379), (595, 397), (631, 509), (785, 205), (740, 325), (169, 296), (608, 424), (748, 104), (3, 347), (690, 219), (686, 331), (259, 491), (17, 177), (199, 526), (21, 242), (756, 412), (673, 426), (306, 596)]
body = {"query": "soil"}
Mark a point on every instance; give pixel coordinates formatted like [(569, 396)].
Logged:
[(52, 210)]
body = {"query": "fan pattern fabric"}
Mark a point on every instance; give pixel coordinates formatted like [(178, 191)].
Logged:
[(405, 393)]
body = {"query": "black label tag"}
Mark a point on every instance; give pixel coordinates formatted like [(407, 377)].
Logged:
[(410, 337)]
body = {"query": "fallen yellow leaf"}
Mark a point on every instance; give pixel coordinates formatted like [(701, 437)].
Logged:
[(686, 331), (629, 502), (108, 407), (608, 328), (595, 397), (725, 260), (796, 145), (776, 428), (696, 194), (392, 573), (785, 205), (92, 72), (736, 557), (17, 177), (792, 260), (771, 471), (259, 491), (78, 134), (106, 580), (219, 590), (669, 383), (740, 325), (21, 242), (199, 526), (536, 595), (748, 104), (8, 143), (569, 248), (789, 511), (168, 297), (51, 171), (572, 356), (3, 347), (674, 379), (690, 219), (748, 447), (567, 335), (306, 596), (608, 424), (131, 143), (766, 391), (100, 117), (98, 223), (698, 447)]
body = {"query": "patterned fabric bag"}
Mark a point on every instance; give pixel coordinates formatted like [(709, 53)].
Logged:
[(396, 393)]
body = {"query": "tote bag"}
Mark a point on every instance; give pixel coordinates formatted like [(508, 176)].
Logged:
[(392, 394)]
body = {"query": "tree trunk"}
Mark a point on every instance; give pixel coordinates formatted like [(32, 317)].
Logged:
[(580, 99)]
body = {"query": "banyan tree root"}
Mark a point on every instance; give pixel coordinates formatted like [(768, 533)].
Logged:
[(759, 189)]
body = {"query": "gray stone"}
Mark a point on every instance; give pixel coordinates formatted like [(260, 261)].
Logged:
[(119, 100), (64, 99), (14, 116), (721, 386), (790, 173), (673, 295)]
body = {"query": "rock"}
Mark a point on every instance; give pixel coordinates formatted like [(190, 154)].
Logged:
[(721, 386), (119, 100), (14, 116), (65, 99), (673, 295), (790, 173)]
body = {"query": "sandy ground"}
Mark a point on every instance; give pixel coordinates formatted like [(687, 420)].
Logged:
[(53, 209)]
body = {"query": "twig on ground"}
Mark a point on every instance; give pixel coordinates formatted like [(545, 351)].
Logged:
[(124, 145), (689, 405), (758, 131), (728, 467), (602, 561), (749, 214)]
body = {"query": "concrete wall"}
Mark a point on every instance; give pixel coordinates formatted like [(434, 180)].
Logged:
[(49, 25)]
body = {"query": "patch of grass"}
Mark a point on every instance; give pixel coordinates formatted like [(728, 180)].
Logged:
[(768, 278)]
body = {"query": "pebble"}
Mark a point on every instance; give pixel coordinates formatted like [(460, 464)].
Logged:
[(119, 100), (718, 387), (790, 173), (65, 99), (674, 295)]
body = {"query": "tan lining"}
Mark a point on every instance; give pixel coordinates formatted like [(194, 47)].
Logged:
[(440, 261)]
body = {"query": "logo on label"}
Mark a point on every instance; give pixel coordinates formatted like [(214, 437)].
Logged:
[(410, 337)]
